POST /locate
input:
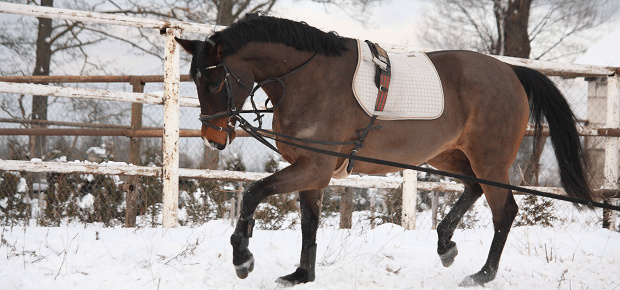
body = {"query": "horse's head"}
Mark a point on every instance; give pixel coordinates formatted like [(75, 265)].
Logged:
[(216, 93)]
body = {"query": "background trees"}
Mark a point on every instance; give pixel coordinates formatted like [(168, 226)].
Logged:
[(540, 29)]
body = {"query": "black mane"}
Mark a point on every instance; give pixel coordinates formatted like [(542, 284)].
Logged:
[(255, 27)]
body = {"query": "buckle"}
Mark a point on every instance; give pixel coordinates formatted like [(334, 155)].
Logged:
[(382, 64)]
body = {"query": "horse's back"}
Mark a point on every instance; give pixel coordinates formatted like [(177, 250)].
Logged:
[(474, 82)]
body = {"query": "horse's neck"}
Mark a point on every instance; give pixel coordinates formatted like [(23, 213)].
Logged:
[(270, 60)]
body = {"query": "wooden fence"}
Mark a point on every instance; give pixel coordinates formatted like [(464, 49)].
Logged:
[(170, 171)]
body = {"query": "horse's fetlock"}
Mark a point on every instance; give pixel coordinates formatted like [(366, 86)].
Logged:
[(245, 227), (308, 261)]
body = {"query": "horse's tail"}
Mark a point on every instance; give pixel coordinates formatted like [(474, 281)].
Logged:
[(548, 102)]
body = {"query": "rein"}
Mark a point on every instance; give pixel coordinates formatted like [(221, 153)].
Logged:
[(263, 134)]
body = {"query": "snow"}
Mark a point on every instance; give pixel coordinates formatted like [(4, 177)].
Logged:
[(22, 186), (387, 257), (604, 52), (97, 150)]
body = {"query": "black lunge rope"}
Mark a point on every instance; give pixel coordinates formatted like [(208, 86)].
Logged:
[(254, 131)]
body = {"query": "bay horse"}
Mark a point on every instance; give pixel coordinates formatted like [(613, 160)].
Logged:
[(307, 74)]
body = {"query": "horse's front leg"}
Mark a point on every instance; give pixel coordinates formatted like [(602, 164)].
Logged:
[(310, 202), (300, 176)]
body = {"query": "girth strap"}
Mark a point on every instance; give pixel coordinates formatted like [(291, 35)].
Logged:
[(382, 74), (359, 143)]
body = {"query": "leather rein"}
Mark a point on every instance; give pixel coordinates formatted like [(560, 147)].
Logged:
[(262, 135)]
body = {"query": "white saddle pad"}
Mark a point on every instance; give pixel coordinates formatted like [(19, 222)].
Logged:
[(415, 90)]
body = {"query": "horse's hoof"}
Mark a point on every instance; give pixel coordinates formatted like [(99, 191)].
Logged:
[(447, 258), (478, 279), (469, 282), (244, 269), (285, 283), (299, 276)]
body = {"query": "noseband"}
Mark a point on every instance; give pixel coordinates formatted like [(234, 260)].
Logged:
[(232, 112)]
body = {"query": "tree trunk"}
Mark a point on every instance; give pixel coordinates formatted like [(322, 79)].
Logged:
[(512, 18), (225, 12), (131, 210), (211, 159), (41, 68)]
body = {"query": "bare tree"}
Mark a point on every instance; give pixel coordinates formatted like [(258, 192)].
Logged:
[(45, 41), (225, 12), (546, 28)]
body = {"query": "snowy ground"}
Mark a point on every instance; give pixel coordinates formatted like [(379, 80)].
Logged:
[(388, 257)]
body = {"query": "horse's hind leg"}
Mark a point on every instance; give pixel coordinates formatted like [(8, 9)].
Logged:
[(454, 161), (504, 209), (310, 203)]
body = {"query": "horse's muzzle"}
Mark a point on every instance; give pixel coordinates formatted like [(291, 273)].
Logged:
[(217, 146), (216, 139)]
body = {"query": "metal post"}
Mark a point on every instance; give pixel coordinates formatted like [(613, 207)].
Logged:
[(233, 210), (434, 209), (171, 131), (410, 192), (239, 199), (611, 144), (134, 157), (373, 205)]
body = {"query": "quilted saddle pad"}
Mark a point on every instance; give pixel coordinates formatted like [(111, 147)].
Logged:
[(415, 91)]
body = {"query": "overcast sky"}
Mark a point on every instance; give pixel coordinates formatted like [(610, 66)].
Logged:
[(394, 22)]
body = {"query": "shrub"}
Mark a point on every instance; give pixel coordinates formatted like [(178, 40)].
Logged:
[(14, 206), (394, 202), (273, 213), (535, 211)]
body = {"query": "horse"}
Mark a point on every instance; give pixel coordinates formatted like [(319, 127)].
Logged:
[(307, 75)]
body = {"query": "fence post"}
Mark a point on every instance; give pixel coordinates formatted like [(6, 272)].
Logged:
[(410, 192), (172, 78), (134, 156), (611, 143), (346, 207)]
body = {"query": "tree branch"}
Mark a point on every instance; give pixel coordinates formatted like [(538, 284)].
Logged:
[(134, 45)]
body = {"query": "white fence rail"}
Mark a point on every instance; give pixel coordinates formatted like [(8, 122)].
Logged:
[(170, 172), (102, 18)]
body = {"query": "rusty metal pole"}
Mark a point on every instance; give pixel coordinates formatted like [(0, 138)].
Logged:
[(134, 157), (171, 130)]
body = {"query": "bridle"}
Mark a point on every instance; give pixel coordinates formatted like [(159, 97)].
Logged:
[(232, 112)]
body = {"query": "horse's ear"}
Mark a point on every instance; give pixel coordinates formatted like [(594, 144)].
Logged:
[(216, 50), (189, 45), (219, 51)]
